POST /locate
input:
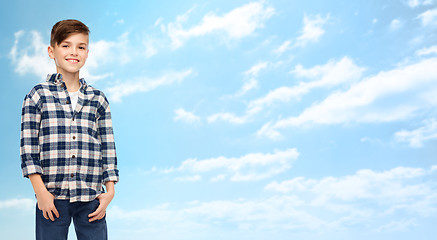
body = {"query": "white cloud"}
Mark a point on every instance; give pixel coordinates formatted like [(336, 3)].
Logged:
[(284, 47), (268, 131), (250, 82), (255, 69), (343, 71), (281, 94), (364, 183), (90, 78), (182, 115), (238, 23), (228, 117), (395, 24), (413, 3), (362, 101), (398, 226), (427, 51), (401, 188), (417, 41), (105, 52), (367, 199), (218, 178), (416, 3), (428, 17), (331, 74), (152, 221), (250, 167), (312, 30), (23, 203), (145, 84), (416, 138), (248, 85), (158, 21), (119, 22), (151, 47), (31, 57), (274, 213), (262, 214)]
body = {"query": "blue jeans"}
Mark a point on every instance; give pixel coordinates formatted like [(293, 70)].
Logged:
[(78, 211)]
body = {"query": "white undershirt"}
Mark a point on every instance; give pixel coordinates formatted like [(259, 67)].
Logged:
[(74, 96)]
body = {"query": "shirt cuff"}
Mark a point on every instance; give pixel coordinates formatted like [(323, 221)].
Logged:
[(110, 176), (31, 169)]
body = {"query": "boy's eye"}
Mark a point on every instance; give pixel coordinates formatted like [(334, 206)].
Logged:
[(64, 46), (82, 48)]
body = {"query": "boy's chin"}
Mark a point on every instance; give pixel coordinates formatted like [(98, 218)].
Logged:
[(68, 70)]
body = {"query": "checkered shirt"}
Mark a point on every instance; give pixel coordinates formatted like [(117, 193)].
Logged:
[(72, 149)]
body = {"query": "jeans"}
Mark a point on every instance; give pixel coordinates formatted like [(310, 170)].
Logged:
[(78, 211)]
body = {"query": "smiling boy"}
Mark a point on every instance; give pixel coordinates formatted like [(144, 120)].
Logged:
[(67, 143)]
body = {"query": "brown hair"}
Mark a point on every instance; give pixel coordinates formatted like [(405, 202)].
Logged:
[(63, 29)]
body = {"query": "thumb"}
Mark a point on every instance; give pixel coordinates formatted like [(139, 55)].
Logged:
[(95, 213)]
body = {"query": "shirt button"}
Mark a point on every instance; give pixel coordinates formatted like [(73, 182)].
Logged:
[(68, 101), (72, 175), (74, 137), (74, 156)]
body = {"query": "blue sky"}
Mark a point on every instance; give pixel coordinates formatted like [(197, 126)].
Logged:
[(246, 119)]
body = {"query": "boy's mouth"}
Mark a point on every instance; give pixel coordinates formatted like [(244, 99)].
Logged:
[(72, 60)]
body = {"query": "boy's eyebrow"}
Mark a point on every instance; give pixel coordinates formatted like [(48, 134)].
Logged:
[(82, 43)]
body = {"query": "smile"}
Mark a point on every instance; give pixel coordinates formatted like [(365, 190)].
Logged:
[(72, 60)]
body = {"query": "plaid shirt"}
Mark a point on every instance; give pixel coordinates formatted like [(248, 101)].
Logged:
[(72, 149)]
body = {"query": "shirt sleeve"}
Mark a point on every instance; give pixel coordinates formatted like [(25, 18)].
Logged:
[(106, 135), (29, 148)]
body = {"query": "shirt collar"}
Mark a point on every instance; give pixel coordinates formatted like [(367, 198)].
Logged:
[(56, 79)]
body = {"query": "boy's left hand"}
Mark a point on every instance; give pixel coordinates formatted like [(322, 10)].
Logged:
[(104, 199)]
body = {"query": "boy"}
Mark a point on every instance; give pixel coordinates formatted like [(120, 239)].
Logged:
[(67, 143)]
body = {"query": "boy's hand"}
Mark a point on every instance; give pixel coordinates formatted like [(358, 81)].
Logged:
[(104, 199), (46, 204)]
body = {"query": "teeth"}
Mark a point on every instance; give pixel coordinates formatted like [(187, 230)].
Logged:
[(73, 60)]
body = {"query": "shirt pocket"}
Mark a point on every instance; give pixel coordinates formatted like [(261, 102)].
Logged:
[(53, 127), (87, 126)]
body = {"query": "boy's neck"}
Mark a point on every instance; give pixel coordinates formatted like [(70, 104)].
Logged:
[(71, 80)]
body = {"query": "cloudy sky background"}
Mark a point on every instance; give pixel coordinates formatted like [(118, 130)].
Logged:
[(245, 119)]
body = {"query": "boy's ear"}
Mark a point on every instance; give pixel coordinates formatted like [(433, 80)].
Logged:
[(50, 50)]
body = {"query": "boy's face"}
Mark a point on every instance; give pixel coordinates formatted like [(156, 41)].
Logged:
[(70, 54)]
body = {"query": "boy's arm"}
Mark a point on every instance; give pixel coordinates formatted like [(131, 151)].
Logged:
[(44, 197), (29, 147), (29, 151), (106, 136), (109, 158)]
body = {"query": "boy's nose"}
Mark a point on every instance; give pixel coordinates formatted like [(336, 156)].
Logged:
[(73, 51)]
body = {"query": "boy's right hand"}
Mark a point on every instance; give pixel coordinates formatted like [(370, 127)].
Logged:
[(46, 204)]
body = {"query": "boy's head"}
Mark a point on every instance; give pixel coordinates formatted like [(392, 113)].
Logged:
[(63, 29), (69, 46)]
